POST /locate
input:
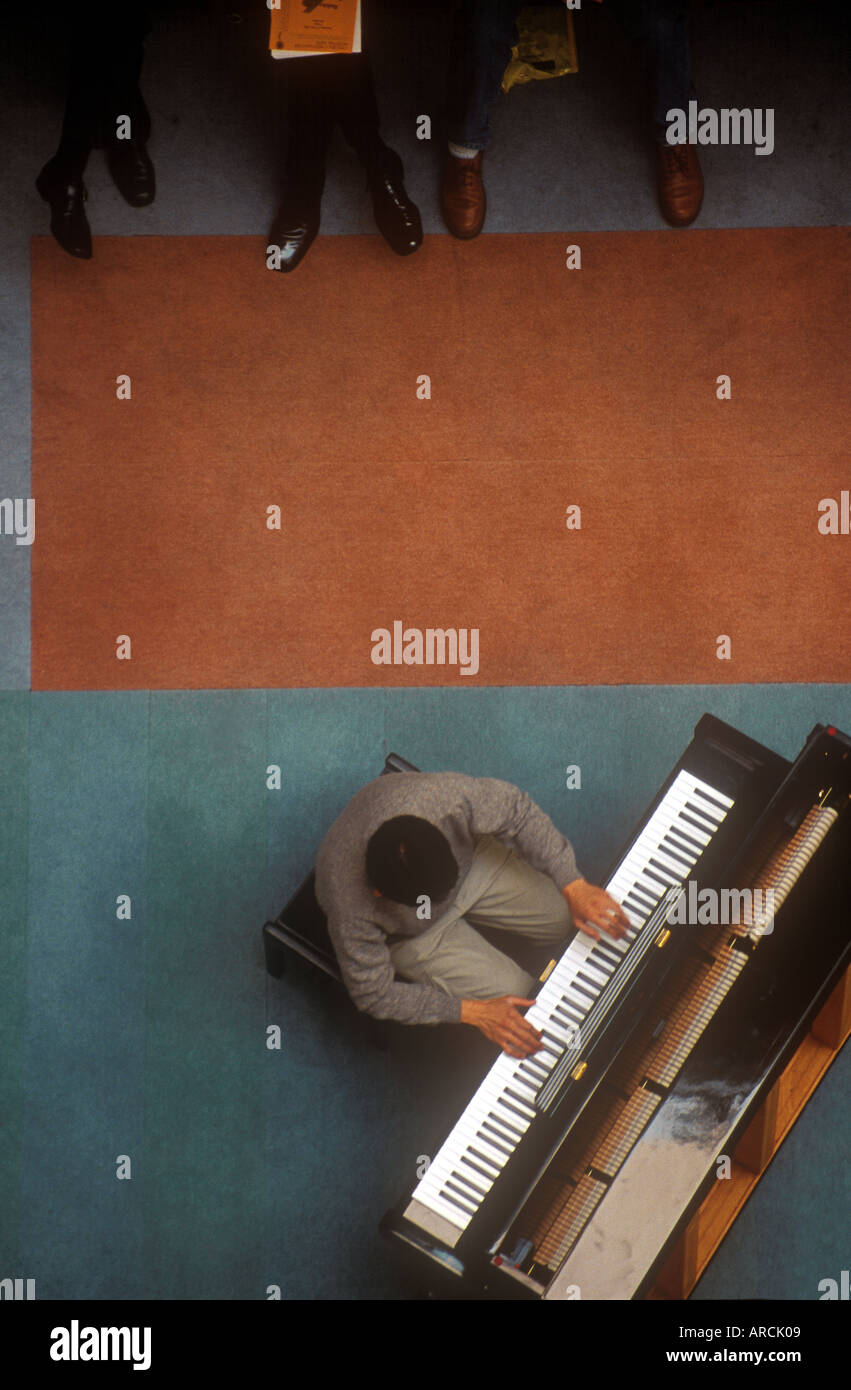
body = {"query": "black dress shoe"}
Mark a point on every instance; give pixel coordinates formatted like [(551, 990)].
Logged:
[(397, 218), (293, 231), (68, 222), (132, 171)]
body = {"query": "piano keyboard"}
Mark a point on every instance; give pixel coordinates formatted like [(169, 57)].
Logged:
[(503, 1108)]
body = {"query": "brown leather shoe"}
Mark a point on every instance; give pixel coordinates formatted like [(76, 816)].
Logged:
[(463, 200), (679, 182)]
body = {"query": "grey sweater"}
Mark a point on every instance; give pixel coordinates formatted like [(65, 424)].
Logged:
[(463, 808)]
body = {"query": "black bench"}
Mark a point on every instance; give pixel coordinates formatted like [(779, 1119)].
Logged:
[(301, 925)]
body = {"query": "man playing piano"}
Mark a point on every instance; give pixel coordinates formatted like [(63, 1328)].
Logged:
[(414, 864)]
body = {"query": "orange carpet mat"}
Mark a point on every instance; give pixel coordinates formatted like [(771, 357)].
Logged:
[(550, 388)]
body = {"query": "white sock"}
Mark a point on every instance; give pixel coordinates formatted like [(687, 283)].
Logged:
[(462, 152)]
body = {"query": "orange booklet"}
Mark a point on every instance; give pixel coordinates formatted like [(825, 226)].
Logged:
[(314, 26)]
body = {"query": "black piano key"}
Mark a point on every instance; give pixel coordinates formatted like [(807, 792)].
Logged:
[(487, 1161), (535, 1070), (581, 989), (677, 852), (499, 1142), (557, 1043), (466, 1208), (633, 899), (684, 835), (560, 1018), (477, 1167), (596, 976), (565, 1033), (673, 879), (698, 825), (571, 1036), (528, 1111), (678, 859), (507, 1144), (602, 961), (524, 1081), (698, 791), (467, 1182), (503, 1128), (615, 953), (572, 1009), (575, 1025), (703, 820), (604, 948), (651, 873), (673, 873), (597, 987), (508, 1106), (641, 892)]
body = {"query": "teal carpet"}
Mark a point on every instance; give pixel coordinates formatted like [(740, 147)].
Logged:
[(147, 1037)]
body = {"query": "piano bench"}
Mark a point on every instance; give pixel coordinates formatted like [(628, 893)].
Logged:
[(301, 926)]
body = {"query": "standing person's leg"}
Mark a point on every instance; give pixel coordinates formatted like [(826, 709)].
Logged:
[(127, 157), (311, 106), (397, 218), (483, 32), (660, 30), (311, 99), (60, 182), (105, 62)]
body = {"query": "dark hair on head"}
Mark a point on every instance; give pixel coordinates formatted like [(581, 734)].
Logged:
[(407, 857)]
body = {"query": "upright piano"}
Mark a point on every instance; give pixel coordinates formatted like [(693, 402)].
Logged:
[(572, 1173)]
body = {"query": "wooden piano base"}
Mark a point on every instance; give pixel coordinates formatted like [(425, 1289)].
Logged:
[(757, 1146)]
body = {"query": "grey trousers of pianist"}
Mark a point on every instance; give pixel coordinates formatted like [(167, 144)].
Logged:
[(500, 890)]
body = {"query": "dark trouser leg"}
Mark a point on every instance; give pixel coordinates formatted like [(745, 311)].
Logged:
[(105, 53), (660, 29), (483, 32), (338, 87), (357, 109), (122, 96), (312, 103), (313, 96), (398, 219)]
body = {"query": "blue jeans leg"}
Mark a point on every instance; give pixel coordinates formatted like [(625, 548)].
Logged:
[(483, 32)]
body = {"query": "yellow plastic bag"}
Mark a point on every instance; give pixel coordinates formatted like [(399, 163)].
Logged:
[(546, 46)]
